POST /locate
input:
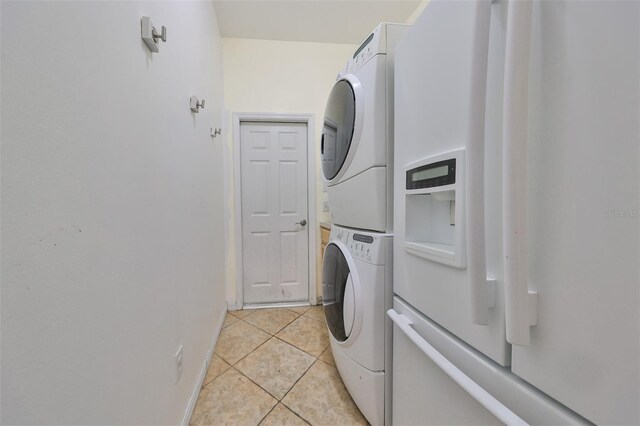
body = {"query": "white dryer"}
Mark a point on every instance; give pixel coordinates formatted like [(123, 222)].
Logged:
[(357, 291), (356, 145)]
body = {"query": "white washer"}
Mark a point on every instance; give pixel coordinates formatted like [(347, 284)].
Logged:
[(357, 291), (356, 146)]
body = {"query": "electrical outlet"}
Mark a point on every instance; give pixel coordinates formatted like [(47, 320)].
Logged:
[(325, 206), (178, 358)]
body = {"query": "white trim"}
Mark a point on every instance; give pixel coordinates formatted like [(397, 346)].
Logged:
[(308, 119), (275, 305), (227, 171), (314, 229), (237, 196), (203, 372)]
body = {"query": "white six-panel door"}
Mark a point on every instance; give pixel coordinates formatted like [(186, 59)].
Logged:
[(274, 206)]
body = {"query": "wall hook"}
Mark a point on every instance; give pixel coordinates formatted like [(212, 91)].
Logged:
[(162, 36), (215, 131), (150, 35), (196, 104)]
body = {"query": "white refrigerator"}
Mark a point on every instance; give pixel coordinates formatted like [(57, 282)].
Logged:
[(516, 214)]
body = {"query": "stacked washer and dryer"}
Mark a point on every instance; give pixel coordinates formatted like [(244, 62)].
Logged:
[(357, 159)]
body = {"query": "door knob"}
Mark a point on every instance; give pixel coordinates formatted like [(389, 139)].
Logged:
[(303, 222)]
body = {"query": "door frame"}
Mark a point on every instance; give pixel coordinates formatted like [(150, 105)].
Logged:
[(308, 119)]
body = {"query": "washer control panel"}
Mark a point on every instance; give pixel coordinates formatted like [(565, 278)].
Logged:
[(365, 246)]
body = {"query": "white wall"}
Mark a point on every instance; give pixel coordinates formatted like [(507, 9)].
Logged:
[(112, 218), (276, 77)]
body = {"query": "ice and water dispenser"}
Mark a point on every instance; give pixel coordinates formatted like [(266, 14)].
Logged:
[(434, 208)]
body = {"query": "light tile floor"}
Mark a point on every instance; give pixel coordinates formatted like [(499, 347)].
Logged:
[(274, 367)]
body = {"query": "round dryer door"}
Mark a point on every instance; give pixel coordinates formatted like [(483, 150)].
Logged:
[(338, 295), (338, 129)]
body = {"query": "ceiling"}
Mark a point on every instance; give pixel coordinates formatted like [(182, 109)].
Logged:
[(324, 21)]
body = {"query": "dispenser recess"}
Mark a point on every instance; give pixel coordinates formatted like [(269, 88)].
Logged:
[(434, 208)]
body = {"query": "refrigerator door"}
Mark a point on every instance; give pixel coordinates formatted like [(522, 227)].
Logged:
[(583, 204), (448, 238), (427, 396), (461, 387)]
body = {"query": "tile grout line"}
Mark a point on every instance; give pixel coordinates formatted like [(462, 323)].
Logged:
[(233, 364), (216, 378), (270, 336), (289, 391), (273, 336), (304, 314), (300, 349), (279, 400), (316, 359), (296, 414), (225, 370), (263, 389), (241, 318), (305, 373), (326, 361), (252, 351), (296, 382), (263, 343), (279, 330), (291, 388), (261, 309), (292, 344), (257, 384), (315, 319), (258, 347), (298, 313), (267, 415)]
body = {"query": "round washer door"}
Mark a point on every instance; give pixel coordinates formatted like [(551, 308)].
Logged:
[(338, 129), (338, 293), (349, 306)]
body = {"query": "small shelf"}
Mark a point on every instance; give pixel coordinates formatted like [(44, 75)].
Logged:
[(430, 250)]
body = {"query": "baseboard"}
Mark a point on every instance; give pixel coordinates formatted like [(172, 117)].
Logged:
[(203, 372), (275, 305)]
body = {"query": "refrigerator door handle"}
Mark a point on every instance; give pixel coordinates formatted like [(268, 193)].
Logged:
[(484, 398), (520, 303), (480, 287)]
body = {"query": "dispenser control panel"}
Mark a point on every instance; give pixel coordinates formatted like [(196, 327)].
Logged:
[(431, 175)]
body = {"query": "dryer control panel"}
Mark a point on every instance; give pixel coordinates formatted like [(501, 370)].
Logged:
[(376, 43), (373, 45), (365, 246)]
